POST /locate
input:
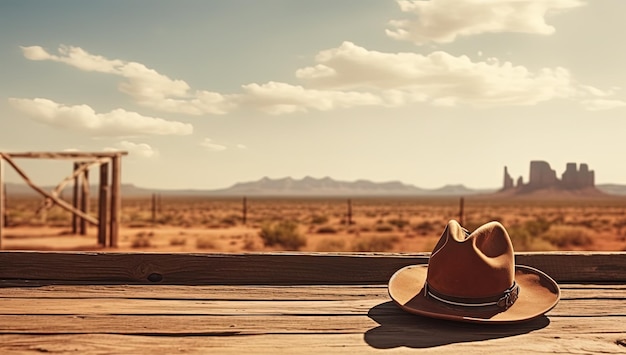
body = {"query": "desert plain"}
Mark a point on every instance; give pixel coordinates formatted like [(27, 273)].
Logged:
[(263, 224)]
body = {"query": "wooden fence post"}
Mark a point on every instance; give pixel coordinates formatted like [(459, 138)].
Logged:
[(245, 210), (84, 201), (461, 205), (349, 221), (154, 208), (2, 199), (75, 199), (116, 200), (102, 208)]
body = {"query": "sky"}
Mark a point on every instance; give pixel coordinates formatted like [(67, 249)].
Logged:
[(205, 94)]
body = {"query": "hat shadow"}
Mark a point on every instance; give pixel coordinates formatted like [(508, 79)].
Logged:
[(399, 328)]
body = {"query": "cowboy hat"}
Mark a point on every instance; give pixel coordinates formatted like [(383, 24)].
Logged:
[(473, 278)]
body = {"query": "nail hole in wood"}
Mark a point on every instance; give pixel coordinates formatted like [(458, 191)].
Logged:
[(154, 277)]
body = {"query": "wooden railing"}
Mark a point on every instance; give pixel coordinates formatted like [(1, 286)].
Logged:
[(144, 303), (271, 268)]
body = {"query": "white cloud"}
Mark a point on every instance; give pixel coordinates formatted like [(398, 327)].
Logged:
[(118, 122), (141, 150), (442, 21), (279, 98), (342, 77), (439, 77), (214, 147), (602, 104), (146, 86), (242, 146)]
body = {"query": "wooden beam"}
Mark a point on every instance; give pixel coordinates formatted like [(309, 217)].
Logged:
[(116, 200), (103, 204), (25, 268), (65, 155), (2, 199), (84, 200), (75, 198), (66, 206)]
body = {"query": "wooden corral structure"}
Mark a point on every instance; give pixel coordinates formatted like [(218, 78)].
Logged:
[(109, 192)]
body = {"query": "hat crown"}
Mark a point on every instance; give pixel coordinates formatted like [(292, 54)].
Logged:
[(476, 265)]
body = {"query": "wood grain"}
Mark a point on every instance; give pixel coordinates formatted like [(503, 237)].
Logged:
[(89, 319), (24, 268), (64, 155)]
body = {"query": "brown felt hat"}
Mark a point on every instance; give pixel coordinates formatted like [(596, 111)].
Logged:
[(473, 278)]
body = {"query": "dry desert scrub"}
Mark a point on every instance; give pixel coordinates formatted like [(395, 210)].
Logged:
[(205, 243), (283, 233), (285, 223), (142, 240), (375, 243), (178, 241), (567, 236)]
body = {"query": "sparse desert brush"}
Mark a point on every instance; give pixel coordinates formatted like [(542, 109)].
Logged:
[(139, 225), (333, 244), (145, 234), (283, 233), (382, 228), (175, 241), (564, 235), (523, 240), (326, 230), (424, 228), (537, 226), (141, 241), (231, 220), (205, 243), (249, 244), (398, 222), (375, 243), (319, 219)]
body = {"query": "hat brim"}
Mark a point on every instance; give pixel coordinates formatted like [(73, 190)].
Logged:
[(538, 294)]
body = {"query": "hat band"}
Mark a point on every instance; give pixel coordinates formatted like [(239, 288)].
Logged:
[(505, 300)]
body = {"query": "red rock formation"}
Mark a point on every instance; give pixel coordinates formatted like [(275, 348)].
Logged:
[(542, 176)]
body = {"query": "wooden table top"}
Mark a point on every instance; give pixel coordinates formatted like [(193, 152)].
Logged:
[(122, 317)]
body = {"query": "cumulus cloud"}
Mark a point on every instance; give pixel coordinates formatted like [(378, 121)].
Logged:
[(146, 86), (342, 77), (118, 122), (214, 147), (439, 78), (442, 21), (141, 150), (279, 98)]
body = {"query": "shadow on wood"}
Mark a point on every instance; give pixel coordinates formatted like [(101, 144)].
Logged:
[(400, 329)]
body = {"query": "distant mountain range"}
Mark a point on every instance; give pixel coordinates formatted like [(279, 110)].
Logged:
[(307, 186)]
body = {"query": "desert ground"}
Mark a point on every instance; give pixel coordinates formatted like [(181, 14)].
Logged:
[(208, 224)]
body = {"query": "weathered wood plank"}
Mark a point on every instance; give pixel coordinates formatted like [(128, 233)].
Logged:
[(90, 319), (371, 342), (612, 307), (116, 200), (268, 268), (198, 325), (64, 155), (158, 292), (2, 199), (61, 203), (329, 293)]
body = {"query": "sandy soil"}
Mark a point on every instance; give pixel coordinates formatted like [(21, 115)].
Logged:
[(390, 225)]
